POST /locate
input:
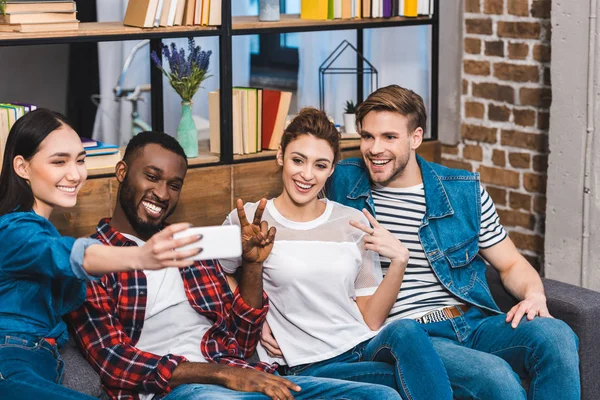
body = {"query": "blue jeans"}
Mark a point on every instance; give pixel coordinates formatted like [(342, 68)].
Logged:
[(492, 357), (312, 388), (32, 369), (401, 356)]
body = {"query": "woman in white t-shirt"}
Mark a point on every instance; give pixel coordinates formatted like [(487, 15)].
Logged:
[(326, 294)]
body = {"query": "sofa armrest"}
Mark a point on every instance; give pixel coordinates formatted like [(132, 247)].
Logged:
[(580, 309)]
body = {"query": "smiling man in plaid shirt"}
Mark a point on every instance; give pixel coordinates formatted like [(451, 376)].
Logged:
[(179, 334)]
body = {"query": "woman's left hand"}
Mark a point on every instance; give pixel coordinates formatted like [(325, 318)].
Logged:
[(382, 241)]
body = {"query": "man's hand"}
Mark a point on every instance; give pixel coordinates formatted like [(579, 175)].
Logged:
[(382, 241), (257, 238), (268, 341), (531, 306), (251, 380), (159, 251)]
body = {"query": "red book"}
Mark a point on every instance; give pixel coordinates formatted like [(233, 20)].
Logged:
[(270, 106)]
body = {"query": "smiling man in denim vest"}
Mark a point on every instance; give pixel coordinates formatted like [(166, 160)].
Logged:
[(450, 225)]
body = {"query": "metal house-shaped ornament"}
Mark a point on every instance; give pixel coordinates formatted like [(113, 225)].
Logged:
[(363, 67)]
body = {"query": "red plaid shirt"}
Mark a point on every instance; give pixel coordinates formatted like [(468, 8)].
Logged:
[(108, 325)]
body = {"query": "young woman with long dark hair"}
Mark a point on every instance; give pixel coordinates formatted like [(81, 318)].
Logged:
[(43, 274)]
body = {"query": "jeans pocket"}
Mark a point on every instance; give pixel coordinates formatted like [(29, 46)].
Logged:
[(299, 369)]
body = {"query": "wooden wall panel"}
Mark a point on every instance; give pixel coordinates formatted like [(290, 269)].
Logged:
[(252, 181), (206, 196), (95, 201)]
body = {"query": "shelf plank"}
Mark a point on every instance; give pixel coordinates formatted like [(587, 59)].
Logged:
[(104, 31), (347, 144), (292, 23)]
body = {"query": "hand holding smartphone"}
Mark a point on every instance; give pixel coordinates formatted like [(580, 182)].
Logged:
[(223, 241)]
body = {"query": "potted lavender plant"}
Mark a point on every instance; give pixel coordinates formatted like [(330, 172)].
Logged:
[(185, 76)]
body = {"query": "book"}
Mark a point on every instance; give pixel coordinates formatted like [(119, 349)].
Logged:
[(158, 14), (313, 9), (53, 26), (214, 120), (214, 17), (39, 7), (236, 122), (188, 14), (410, 8), (337, 9), (102, 161), (101, 149), (4, 129), (270, 105), (179, 13), (366, 11), (140, 13), (164, 16), (387, 8), (346, 8), (87, 143), (36, 18), (205, 11), (282, 112), (197, 12), (172, 9)]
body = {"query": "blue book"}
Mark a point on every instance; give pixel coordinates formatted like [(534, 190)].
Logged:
[(102, 149)]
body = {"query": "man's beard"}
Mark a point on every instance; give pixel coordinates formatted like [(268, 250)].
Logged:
[(398, 170), (142, 228)]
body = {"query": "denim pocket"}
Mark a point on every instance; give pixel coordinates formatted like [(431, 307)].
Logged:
[(463, 253), (298, 369)]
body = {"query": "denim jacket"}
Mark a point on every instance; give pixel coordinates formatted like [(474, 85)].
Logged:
[(41, 277), (449, 231)]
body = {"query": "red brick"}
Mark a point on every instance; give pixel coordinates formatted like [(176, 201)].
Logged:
[(474, 153), (474, 109), (540, 163), (465, 86), (524, 140), (473, 67), (519, 160), (472, 6), (497, 194), (519, 201), (524, 117), (493, 7), (499, 176), (524, 241), (480, 26), (541, 8), (499, 157), (547, 78), (541, 53), (518, 51), (479, 133), (536, 97), (516, 218), (494, 48), (494, 91), (472, 46), (446, 149), (520, 30), (534, 183), (457, 164), (498, 113), (539, 204), (516, 72), (543, 121), (518, 7)]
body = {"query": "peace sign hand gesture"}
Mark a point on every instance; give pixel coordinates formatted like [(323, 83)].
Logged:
[(382, 241), (257, 238)]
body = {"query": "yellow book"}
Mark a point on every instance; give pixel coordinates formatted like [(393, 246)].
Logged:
[(205, 12), (410, 8), (314, 9)]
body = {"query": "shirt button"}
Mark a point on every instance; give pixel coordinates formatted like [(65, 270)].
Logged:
[(142, 293)]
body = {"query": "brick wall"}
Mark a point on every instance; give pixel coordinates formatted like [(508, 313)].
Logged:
[(505, 112)]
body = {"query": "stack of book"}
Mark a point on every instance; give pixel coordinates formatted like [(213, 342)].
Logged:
[(258, 119), (155, 13), (38, 16), (9, 114), (100, 155), (334, 9)]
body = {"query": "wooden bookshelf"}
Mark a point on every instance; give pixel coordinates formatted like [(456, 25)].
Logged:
[(292, 23), (105, 31)]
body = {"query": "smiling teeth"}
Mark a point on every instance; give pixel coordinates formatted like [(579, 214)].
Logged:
[(303, 186), (380, 162), (66, 189), (152, 207)]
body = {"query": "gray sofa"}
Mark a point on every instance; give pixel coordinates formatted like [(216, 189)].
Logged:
[(580, 308)]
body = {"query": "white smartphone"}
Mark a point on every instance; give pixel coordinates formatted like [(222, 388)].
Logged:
[(224, 241)]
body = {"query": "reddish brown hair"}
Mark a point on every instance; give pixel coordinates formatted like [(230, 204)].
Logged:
[(396, 99), (311, 121)]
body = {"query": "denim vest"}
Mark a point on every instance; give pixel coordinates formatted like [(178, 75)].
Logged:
[(449, 232)]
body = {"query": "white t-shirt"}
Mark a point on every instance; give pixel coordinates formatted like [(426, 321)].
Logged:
[(312, 275), (171, 325)]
